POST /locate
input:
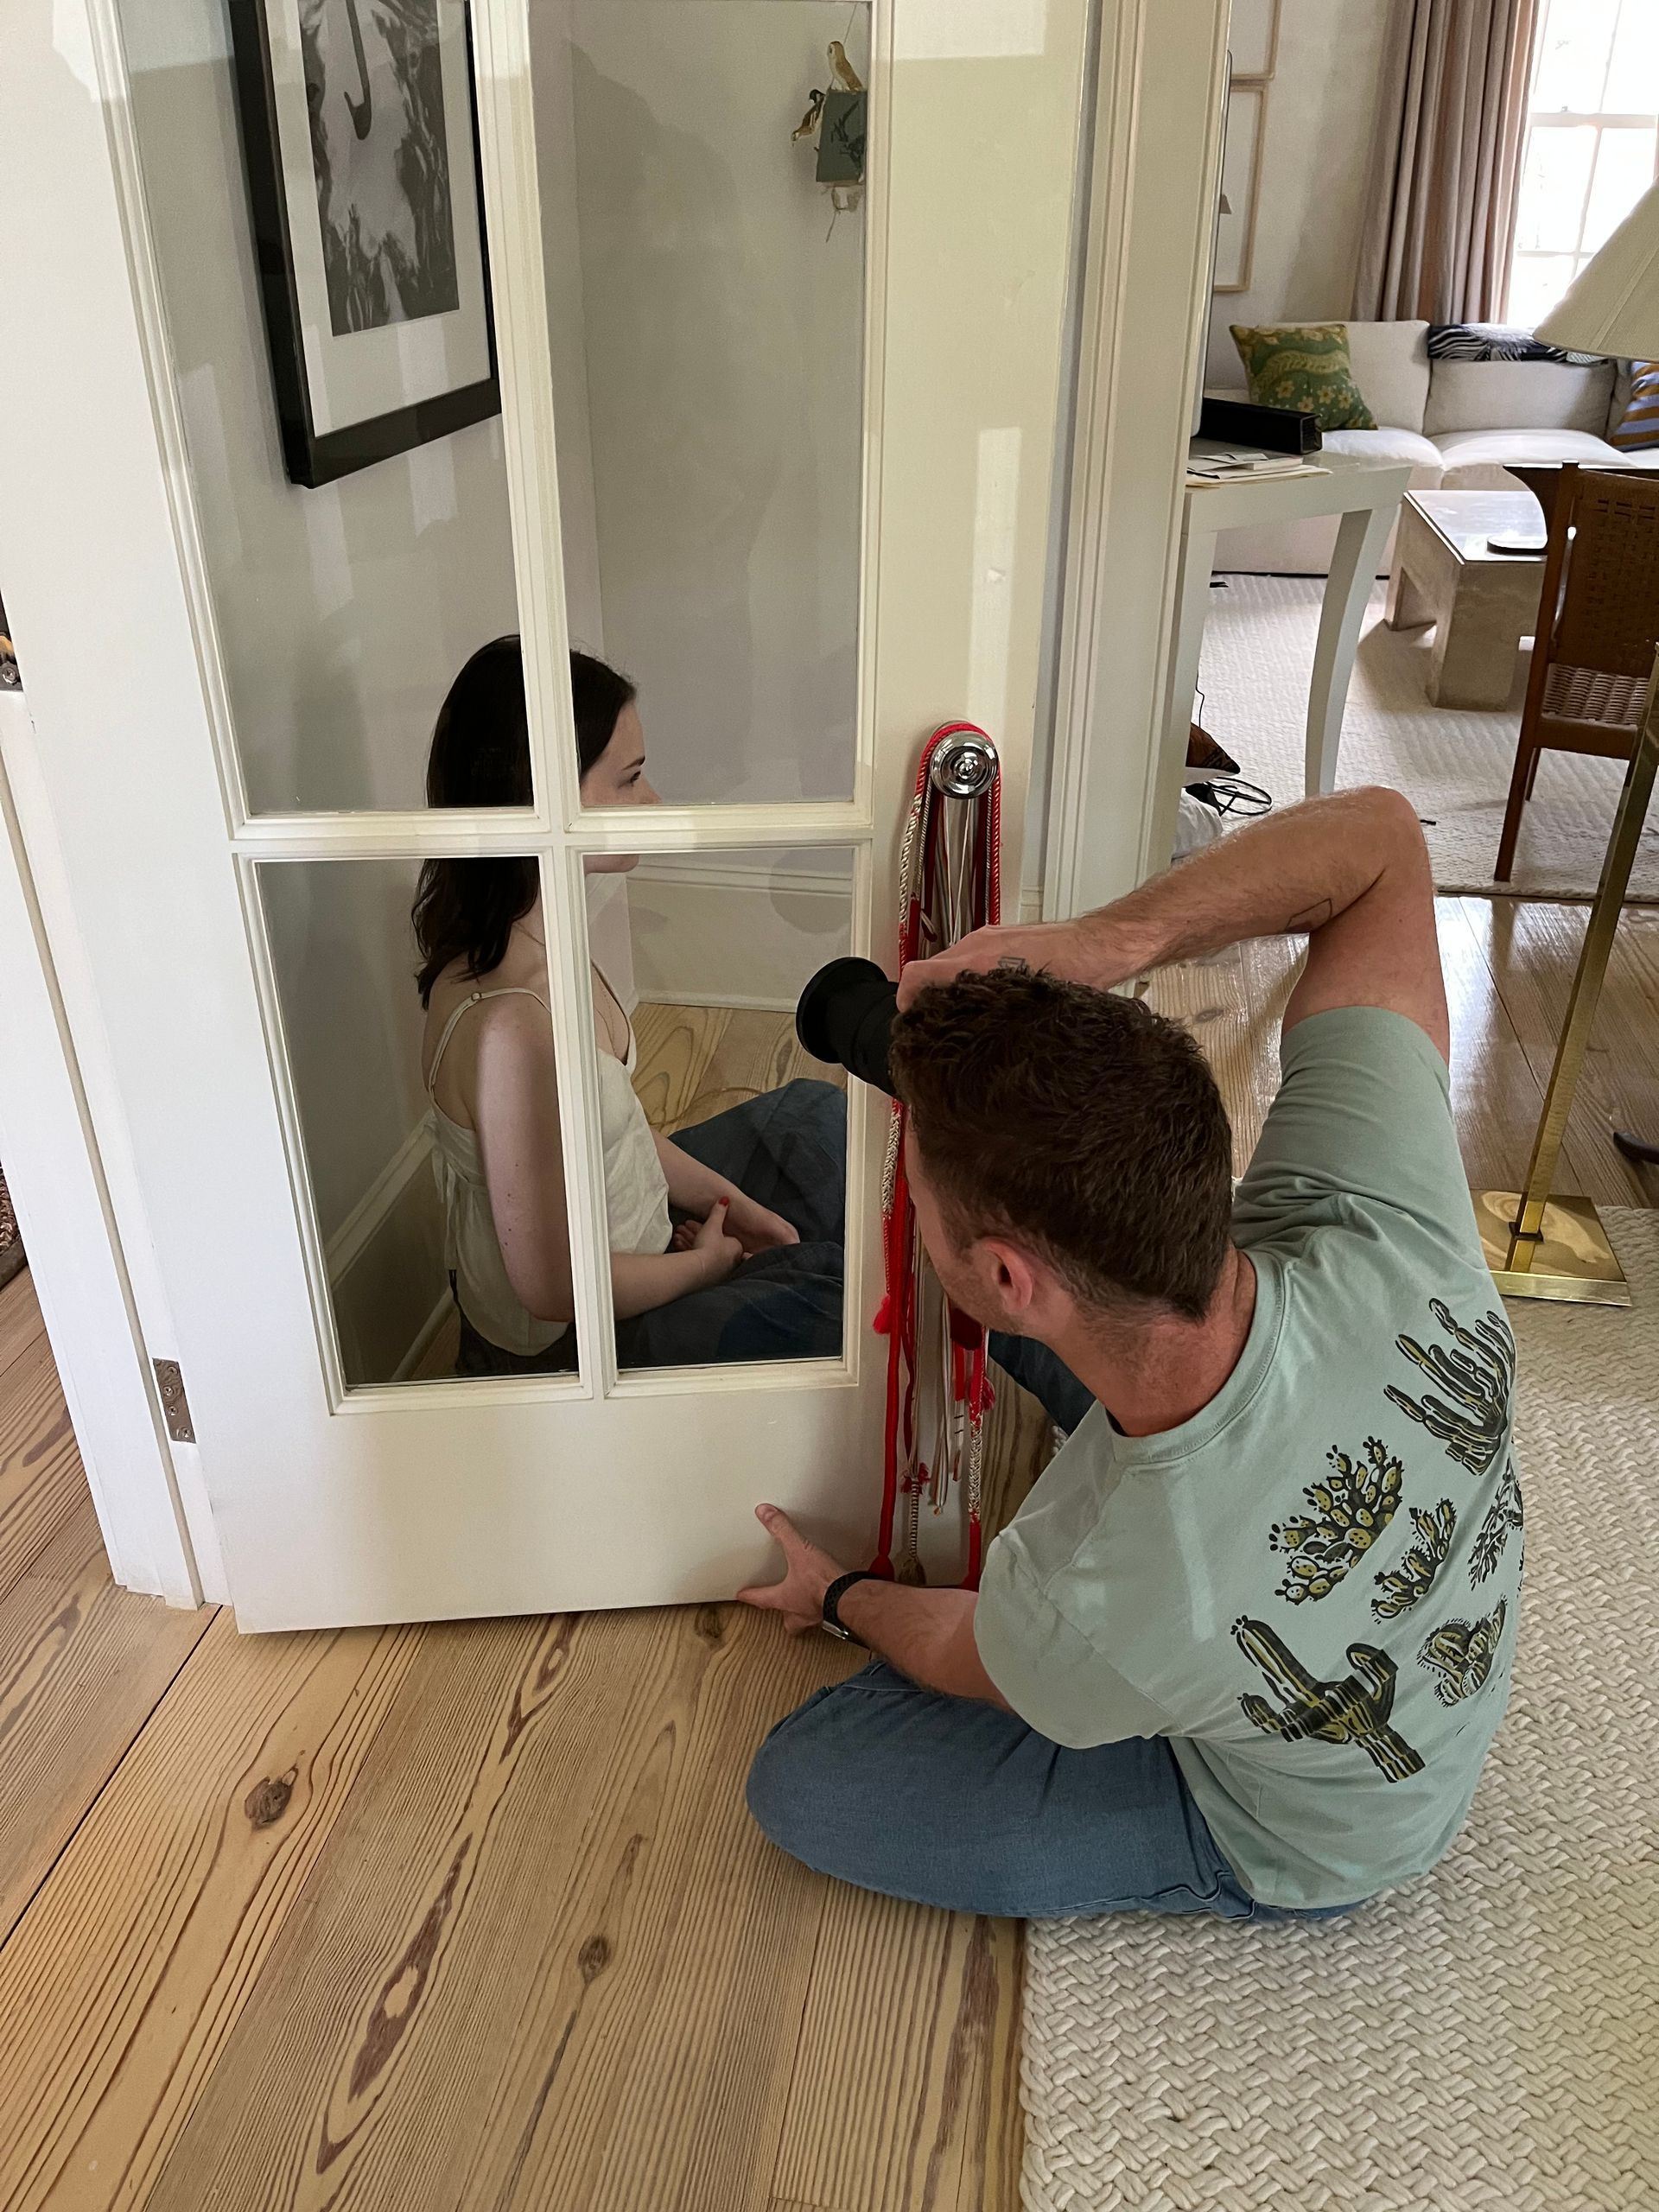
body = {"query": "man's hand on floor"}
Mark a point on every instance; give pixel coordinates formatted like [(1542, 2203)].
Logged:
[(808, 1574), (926, 1634)]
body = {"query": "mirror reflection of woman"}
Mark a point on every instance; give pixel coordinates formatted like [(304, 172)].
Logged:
[(725, 1241)]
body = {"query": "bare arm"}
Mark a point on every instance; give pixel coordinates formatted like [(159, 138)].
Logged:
[(641, 1282), (926, 1634), (1351, 872), (690, 1183), (696, 1187), (517, 1114)]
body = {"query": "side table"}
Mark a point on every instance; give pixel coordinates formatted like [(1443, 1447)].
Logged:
[(1482, 603), (1367, 495)]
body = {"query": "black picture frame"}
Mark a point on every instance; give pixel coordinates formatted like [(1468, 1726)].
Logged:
[(312, 457)]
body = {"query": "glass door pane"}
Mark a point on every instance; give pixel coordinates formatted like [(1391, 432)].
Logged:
[(701, 167), (435, 1181), (319, 257), (724, 1104)]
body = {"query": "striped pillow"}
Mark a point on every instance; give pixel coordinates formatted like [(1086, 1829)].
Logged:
[(1497, 341), (1638, 425)]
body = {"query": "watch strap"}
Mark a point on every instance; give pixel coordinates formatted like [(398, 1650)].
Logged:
[(832, 1598)]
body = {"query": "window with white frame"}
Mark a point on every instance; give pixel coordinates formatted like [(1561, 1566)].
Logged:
[(1592, 137)]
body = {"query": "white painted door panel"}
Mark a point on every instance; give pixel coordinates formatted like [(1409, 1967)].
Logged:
[(160, 680)]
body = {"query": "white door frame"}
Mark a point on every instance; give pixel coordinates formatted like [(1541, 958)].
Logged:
[(78, 382), (83, 385), (1144, 312), (61, 1190)]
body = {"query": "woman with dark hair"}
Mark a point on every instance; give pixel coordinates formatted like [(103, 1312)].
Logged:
[(753, 1269)]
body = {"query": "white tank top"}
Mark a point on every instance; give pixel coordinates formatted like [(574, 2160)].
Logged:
[(636, 1192)]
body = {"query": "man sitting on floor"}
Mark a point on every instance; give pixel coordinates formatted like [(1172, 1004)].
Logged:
[(1244, 1647)]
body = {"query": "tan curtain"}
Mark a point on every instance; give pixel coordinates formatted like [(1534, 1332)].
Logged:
[(1446, 162)]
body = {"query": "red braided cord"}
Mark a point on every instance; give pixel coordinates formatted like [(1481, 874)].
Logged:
[(979, 1395), (970, 1379)]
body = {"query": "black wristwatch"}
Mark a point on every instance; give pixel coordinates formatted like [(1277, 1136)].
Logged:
[(832, 1621)]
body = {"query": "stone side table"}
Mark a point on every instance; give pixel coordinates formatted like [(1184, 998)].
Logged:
[(1482, 603)]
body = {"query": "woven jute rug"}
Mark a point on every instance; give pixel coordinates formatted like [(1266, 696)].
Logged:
[(1452, 763), (1487, 2038)]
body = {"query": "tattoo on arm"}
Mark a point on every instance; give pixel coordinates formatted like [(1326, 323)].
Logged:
[(1314, 917)]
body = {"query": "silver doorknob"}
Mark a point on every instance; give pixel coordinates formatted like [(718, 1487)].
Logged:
[(963, 766)]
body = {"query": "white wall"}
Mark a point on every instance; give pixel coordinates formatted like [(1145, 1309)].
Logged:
[(723, 333), (1321, 106), (746, 929)]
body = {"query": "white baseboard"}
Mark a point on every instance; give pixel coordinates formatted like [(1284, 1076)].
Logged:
[(352, 1239), (745, 871), (431, 1329), (733, 1002), (734, 936)]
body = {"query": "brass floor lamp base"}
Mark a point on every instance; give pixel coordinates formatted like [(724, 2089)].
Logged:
[(1572, 1260), (1538, 1244)]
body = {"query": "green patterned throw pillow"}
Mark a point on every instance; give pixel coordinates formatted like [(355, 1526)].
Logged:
[(1304, 366)]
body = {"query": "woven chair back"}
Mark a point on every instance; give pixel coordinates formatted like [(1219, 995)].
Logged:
[(1610, 610)]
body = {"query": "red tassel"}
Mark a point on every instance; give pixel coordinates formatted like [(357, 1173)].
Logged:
[(897, 1317), (970, 1580)]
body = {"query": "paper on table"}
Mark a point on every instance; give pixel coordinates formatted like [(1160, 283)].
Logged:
[(1196, 482)]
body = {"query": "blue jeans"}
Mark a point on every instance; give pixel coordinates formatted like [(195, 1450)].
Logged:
[(787, 1151), (950, 1802)]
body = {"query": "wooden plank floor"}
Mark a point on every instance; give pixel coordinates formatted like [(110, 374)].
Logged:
[(471, 1916)]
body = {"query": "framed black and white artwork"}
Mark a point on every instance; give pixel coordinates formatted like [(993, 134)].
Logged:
[(359, 138)]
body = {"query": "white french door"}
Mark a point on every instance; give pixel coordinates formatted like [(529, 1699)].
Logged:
[(788, 462)]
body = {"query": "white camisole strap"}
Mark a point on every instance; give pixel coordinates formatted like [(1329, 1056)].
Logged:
[(474, 998)]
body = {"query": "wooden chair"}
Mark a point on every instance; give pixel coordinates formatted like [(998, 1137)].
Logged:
[(1598, 623)]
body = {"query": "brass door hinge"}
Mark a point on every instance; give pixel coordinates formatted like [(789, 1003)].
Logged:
[(175, 1406)]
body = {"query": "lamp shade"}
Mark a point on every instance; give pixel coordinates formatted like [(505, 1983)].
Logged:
[(1612, 306)]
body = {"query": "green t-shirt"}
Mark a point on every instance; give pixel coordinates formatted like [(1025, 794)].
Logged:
[(1313, 1587)]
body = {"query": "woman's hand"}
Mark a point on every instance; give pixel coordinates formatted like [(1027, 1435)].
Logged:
[(808, 1574), (755, 1228), (718, 1251)]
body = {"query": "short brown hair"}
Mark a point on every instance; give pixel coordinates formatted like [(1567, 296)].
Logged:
[(1078, 1121)]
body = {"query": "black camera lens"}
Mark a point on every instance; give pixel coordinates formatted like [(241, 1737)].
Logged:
[(846, 1015)]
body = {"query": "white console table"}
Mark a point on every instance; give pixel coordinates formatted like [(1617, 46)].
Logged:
[(1367, 495)]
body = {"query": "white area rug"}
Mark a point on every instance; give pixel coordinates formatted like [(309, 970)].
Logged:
[(1487, 2037), (1452, 763)]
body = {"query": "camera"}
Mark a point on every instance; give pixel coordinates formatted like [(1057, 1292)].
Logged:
[(846, 1015)]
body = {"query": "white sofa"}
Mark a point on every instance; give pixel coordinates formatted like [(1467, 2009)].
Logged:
[(1457, 422)]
